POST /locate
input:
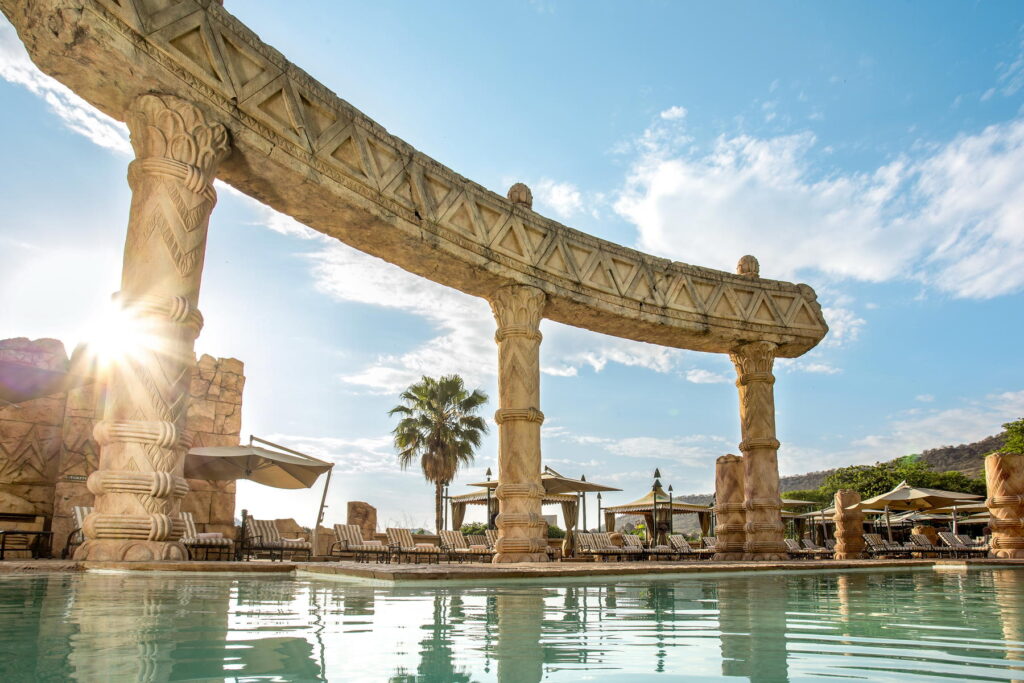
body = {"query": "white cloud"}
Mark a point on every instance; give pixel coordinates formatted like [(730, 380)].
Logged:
[(949, 219), (74, 112), (673, 113), (1011, 75), (702, 376), (564, 199), (351, 456), (924, 398), (844, 326)]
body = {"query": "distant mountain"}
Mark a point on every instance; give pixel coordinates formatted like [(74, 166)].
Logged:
[(967, 458)]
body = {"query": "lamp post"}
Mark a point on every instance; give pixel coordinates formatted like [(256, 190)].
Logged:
[(488, 489), (445, 502), (671, 510), (583, 499), (653, 536), (598, 512)]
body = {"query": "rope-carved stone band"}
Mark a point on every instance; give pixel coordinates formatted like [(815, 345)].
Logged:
[(521, 545), (524, 331), (732, 527), (1004, 501), (192, 176), (503, 415), (763, 504), (154, 484), (750, 377), (520, 519), (730, 507), (730, 546), (754, 444), (765, 547), (1005, 524), (157, 527), (504, 491), (1008, 543), (754, 527), (176, 309), (157, 432)]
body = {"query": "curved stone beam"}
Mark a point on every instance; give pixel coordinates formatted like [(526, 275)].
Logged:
[(305, 152)]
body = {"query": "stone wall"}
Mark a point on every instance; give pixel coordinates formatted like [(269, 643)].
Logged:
[(30, 433), (47, 450)]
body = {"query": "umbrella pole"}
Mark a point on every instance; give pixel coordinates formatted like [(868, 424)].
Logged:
[(888, 526), (320, 512), (954, 521)]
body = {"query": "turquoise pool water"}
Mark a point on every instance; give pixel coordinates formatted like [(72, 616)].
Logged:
[(892, 626)]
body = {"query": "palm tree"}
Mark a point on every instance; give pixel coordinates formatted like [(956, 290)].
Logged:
[(439, 427)]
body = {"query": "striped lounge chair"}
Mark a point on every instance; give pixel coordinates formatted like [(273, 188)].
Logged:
[(402, 545), (76, 537), (458, 547), (633, 548), (492, 539), (794, 549), (349, 539), (957, 546), (816, 549), (194, 541), (262, 536), (684, 549)]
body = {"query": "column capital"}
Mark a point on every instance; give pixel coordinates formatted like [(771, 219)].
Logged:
[(754, 362), (172, 137), (518, 310)]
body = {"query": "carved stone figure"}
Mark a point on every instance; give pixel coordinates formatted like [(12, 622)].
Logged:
[(730, 510), (1004, 477), (849, 526), (522, 532), (521, 194), (139, 483), (763, 504)]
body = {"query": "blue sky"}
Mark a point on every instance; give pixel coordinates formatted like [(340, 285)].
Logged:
[(875, 152)]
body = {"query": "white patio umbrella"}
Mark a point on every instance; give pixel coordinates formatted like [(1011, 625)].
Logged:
[(282, 468)]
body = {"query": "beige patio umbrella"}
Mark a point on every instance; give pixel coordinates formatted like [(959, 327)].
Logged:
[(907, 497), (281, 468)]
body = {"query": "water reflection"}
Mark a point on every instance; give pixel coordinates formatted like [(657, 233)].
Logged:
[(151, 627)]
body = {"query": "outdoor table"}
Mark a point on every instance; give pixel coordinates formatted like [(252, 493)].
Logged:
[(33, 547)]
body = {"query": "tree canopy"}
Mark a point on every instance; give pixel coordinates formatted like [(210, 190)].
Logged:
[(1014, 436)]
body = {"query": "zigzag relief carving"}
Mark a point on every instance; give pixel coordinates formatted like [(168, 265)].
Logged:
[(476, 239)]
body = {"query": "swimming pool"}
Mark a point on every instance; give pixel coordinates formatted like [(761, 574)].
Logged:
[(139, 626)]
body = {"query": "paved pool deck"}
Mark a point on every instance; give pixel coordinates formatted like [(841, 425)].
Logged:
[(479, 572)]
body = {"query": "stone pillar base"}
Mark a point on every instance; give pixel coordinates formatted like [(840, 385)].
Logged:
[(130, 551), (728, 557), (765, 557), (504, 558), (1007, 554)]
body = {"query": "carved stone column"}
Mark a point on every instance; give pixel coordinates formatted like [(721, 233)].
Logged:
[(763, 504), (139, 483), (1004, 478), (522, 532), (730, 510), (849, 526)]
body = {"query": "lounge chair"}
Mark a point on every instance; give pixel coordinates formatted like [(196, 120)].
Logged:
[(478, 539), (193, 541), (458, 547), (708, 542), (816, 549), (262, 536), (632, 546), (957, 546), (980, 543), (492, 539), (349, 539), (596, 546), (793, 548), (921, 544), (401, 544), (830, 544), (876, 547), (76, 537), (683, 549), (24, 534)]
